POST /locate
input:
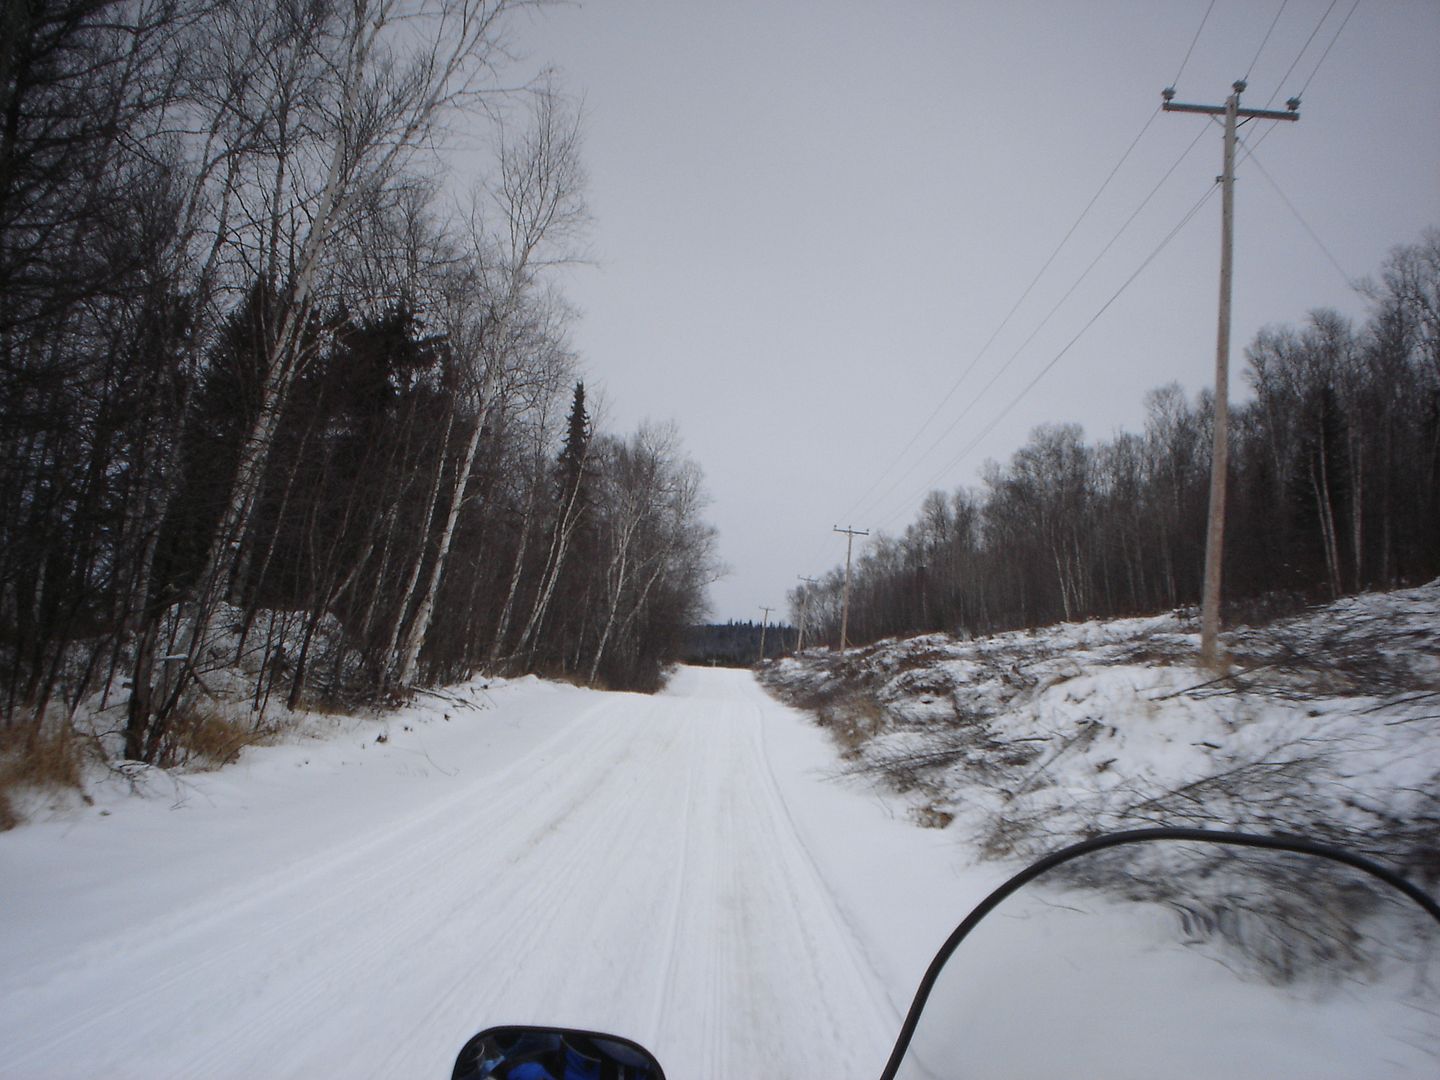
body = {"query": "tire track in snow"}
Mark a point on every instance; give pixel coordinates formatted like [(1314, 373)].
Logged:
[(672, 920), (840, 922), (762, 980), (291, 921)]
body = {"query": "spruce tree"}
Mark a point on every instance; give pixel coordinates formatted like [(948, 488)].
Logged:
[(570, 469)]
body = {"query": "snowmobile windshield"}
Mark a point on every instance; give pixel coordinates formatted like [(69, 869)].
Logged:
[(1184, 958)]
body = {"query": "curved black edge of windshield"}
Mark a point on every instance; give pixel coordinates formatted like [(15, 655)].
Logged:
[(1295, 844)]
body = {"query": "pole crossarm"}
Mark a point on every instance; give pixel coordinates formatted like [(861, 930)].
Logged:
[(1243, 114)]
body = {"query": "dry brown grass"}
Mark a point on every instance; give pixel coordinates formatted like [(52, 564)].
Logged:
[(39, 757), (327, 704), (205, 738), (852, 720), (931, 816)]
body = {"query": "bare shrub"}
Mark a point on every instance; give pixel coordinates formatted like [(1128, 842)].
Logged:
[(852, 720), (204, 737), (921, 659), (931, 816), (1283, 917), (330, 703), (1352, 654)]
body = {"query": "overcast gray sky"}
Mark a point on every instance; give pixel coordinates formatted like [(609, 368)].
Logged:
[(811, 217)]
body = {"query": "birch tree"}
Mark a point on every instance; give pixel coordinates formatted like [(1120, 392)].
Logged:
[(651, 534), (497, 321)]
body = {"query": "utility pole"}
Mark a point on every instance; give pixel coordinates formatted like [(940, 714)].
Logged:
[(850, 535), (1219, 455), (763, 625), (804, 606)]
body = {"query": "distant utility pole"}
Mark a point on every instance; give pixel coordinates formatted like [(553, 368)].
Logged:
[(763, 625), (804, 605), (850, 535), (1215, 531)]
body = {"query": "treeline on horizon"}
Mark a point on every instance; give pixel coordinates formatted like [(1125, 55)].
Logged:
[(736, 644), (1334, 488), (269, 391)]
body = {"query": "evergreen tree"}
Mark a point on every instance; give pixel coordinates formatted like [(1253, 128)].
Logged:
[(571, 467)]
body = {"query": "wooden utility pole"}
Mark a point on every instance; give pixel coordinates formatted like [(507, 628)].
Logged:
[(804, 606), (1219, 454), (850, 535), (763, 625)]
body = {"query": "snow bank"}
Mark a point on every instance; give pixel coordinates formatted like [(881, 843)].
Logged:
[(1325, 727)]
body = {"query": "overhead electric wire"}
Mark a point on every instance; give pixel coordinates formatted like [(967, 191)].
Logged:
[(973, 443), (1250, 151), (1179, 72), (1204, 19), (1043, 322), (954, 386), (1303, 49), (1248, 154), (1328, 48), (1251, 156), (1265, 39), (861, 501)]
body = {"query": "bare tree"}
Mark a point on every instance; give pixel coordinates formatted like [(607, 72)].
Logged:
[(495, 321)]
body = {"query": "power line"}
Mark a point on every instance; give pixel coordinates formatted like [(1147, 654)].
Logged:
[(1303, 49), (978, 438), (1251, 156), (1043, 322), (1264, 40), (1250, 150), (1196, 38), (974, 442), (1328, 48), (954, 386)]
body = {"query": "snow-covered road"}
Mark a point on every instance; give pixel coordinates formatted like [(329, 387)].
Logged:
[(674, 868)]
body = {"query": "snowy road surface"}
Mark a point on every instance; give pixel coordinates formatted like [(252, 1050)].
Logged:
[(675, 869)]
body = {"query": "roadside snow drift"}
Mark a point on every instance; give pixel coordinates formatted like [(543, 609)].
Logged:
[(1328, 726)]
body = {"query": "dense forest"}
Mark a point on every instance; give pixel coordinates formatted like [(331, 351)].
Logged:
[(737, 644), (271, 389), (1334, 488)]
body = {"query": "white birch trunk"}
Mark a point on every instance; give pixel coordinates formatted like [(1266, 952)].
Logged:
[(431, 502), (517, 572), (420, 624)]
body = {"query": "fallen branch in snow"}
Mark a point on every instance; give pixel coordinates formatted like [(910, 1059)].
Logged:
[(454, 699)]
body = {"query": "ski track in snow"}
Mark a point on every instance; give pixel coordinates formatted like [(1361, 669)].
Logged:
[(635, 866)]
